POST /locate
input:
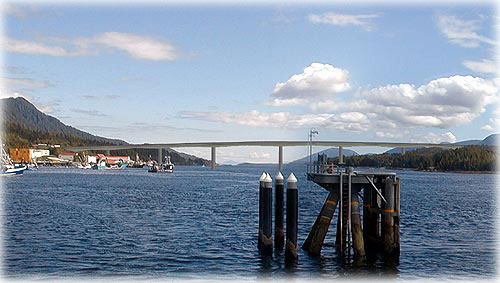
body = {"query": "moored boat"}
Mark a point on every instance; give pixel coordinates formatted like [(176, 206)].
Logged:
[(167, 167), (7, 168), (102, 165)]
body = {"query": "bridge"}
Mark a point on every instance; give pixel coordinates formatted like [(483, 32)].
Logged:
[(278, 144)]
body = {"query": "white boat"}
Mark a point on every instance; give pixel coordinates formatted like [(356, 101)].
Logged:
[(167, 167), (102, 165), (84, 166), (7, 168)]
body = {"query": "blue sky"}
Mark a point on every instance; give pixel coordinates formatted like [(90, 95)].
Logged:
[(172, 73)]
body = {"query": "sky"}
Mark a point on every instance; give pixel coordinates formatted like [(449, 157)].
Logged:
[(225, 72)]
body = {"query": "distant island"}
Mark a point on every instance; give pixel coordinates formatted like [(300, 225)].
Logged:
[(25, 125)]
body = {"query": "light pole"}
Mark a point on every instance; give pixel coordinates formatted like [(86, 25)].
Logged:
[(312, 132)]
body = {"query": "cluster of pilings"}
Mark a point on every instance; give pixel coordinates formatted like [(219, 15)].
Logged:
[(376, 234), (265, 237)]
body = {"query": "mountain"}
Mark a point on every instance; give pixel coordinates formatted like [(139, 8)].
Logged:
[(25, 125), (22, 113), (489, 140), (331, 152)]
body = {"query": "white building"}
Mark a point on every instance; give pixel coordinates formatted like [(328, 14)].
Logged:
[(37, 153)]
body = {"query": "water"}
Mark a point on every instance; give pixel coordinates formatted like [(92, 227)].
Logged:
[(197, 223)]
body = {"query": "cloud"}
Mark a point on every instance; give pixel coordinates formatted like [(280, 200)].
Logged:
[(441, 103), (35, 48), (26, 83), (407, 135), (259, 155), (136, 46), (139, 47), (332, 18), (483, 66), (463, 32), (351, 122), (316, 81), (89, 112), (17, 70), (492, 126), (97, 97)]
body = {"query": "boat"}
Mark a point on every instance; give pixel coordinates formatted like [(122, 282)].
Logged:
[(84, 166), (7, 168), (167, 167), (102, 165)]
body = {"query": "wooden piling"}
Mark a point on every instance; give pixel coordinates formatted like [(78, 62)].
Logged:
[(317, 235), (292, 216), (388, 218), (279, 236), (369, 218), (267, 215), (357, 234), (397, 208)]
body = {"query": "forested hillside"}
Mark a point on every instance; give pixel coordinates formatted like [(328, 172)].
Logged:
[(468, 158)]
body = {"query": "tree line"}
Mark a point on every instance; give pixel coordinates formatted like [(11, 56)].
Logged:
[(468, 158)]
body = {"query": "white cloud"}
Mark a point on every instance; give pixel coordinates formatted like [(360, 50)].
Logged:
[(140, 47), (286, 102), (26, 83), (442, 103), (447, 137), (259, 155), (463, 32), (137, 46), (487, 128), (316, 81), (351, 122), (332, 18), (483, 66), (492, 126), (35, 48)]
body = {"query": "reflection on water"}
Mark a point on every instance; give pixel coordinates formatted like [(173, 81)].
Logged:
[(197, 222)]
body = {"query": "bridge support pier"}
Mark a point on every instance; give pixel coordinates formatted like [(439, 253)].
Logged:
[(280, 158), (341, 155), (160, 156), (213, 164), (403, 150), (107, 152)]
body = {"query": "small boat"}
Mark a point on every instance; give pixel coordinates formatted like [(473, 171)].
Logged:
[(84, 166), (7, 168), (167, 167), (102, 165)]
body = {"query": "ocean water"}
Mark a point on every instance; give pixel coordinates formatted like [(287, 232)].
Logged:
[(198, 223)]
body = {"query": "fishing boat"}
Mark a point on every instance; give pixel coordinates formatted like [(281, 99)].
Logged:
[(167, 167), (7, 168), (102, 165)]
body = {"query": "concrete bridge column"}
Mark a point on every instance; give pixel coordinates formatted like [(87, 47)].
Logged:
[(403, 150), (280, 158), (107, 152), (213, 158), (160, 161), (341, 155)]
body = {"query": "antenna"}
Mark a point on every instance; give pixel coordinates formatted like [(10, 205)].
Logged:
[(312, 133)]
